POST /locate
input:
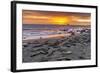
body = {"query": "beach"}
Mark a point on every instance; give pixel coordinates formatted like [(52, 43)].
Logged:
[(58, 48)]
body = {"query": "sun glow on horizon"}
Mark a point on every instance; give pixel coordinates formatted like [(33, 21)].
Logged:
[(60, 20)]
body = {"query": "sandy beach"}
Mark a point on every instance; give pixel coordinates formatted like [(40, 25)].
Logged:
[(73, 47)]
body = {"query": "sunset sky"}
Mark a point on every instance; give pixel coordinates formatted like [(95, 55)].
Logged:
[(55, 18)]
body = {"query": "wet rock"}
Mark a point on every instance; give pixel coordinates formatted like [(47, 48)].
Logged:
[(38, 52), (52, 42), (51, 51), (36, 45), (56, 54), (25, 45), (81, 57), (44, 59), (63, 58), (76, 47), (43, 48), (67, 52)]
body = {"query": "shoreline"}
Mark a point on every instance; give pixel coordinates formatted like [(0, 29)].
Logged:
[(47, 37)]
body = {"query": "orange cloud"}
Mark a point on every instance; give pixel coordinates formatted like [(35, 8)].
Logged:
[(55, 18)]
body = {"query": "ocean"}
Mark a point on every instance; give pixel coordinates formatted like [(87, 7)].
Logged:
[(36, 31)]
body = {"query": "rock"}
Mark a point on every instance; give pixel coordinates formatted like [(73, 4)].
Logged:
[(36, 45), (25, 44), (67, 52), (43, 48), (44, 59), (36, 49), (76, 47), (52, 42), (81, 57), (38, 52), (56, 54), (62, 43), (63, 58), (51, 51), (62, 48)]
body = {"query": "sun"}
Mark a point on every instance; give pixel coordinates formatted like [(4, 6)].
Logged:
[(60, 20)]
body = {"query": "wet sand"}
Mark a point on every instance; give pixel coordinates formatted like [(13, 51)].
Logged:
[(73, 47)]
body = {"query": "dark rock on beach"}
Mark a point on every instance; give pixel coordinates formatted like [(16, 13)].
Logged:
[(75, 47)]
